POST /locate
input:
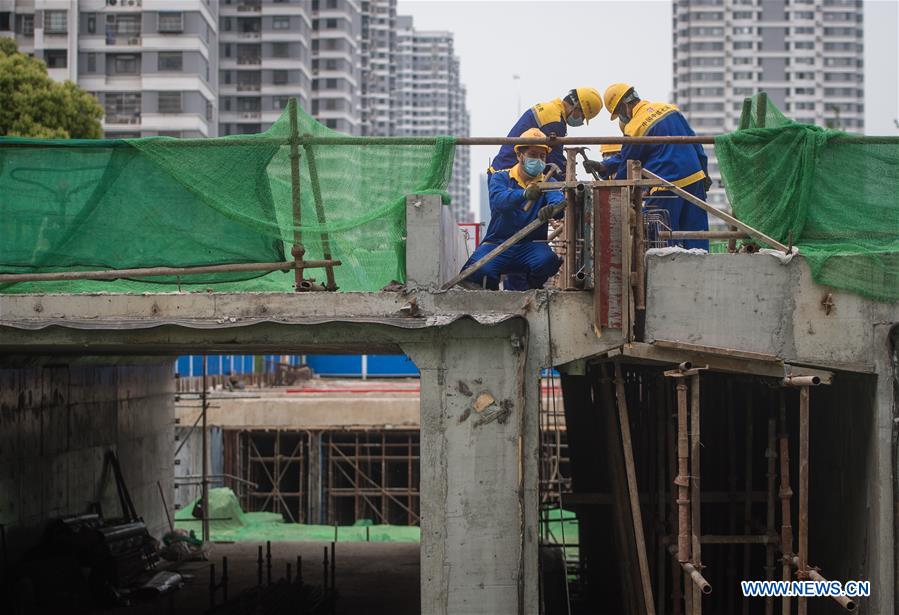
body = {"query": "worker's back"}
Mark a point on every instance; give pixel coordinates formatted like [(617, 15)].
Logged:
[(548, 117)]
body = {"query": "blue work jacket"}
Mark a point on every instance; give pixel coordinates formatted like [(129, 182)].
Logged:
[(680, 164), (548, 117), (507, 200)]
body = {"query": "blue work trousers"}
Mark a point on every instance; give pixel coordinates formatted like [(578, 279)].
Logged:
[(535, 261), (684, 215)]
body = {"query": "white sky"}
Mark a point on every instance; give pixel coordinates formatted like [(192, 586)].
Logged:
[(578, 43)]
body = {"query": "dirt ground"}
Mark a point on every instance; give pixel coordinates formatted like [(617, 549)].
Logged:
[(371, 578)]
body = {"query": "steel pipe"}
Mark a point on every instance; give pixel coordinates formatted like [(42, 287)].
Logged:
[(462, 141), (703, 235), (786, 529), (147, 272), (701, 583), (682, 480), (802, 572), (801, 381), (844, 601)]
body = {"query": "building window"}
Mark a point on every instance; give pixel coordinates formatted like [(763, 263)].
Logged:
[(56, 22), (5, 21), (126, 64), (122, 107), (171, 22), (91, 23), (279, 77), (280, 102), (170, 102), (92, 62), (281, 23), (56, 58), (169, 133), (803, 91), (280, 50), (25, 25), (170, 61), (122, 26), (209, 111)]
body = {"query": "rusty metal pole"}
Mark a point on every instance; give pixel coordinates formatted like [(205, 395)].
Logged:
[(695, 489), (771, 456), (802, 572), (671, 442), (747, 493), (569, 265), (205, 464), (683, 476), (297, 251), (786, 529), (634, 171), (319, 210)]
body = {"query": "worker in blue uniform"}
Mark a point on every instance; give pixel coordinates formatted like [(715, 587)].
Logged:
[(510, 191), (580, 105), (684, 165)]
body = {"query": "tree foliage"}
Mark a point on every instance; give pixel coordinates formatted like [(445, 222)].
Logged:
[(33, 105)]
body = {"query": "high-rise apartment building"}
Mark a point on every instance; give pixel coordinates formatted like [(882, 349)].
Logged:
[(430, 99), (198, 68), (807, 54), (152, 64), (265, 58), (378, 67)]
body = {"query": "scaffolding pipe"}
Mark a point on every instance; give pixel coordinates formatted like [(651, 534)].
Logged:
[(771, 456), (801, 381), (690, 570), (205, 464), (682, 480), (802, 569), (146, 272), (844, 601), (695, 487), (786, 530)]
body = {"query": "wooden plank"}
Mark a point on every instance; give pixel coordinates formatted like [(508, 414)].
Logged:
[(633, 494)]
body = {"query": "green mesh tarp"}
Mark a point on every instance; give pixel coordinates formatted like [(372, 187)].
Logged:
[(231, 523), (836, 195), (159, 201)]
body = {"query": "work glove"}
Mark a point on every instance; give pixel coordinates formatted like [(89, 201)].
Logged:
[(595, 166), (545, 213), (532, 193), (707, 182)]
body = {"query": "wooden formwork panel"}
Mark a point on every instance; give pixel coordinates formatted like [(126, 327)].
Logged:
[(608, 212)]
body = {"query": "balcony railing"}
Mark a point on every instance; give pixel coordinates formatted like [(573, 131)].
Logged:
[(249, 87), (249, 60), (123, 119)]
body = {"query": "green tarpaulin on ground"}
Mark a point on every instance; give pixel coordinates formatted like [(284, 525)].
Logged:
[(233, 524)]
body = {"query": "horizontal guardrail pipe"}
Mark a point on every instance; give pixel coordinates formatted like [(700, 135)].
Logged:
[(146, 272), (461, 141)]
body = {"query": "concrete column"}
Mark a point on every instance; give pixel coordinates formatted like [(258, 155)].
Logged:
[(479, 446), (434, 244), (881, 552), (314, 483)]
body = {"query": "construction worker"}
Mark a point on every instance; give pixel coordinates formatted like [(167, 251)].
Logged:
[(510, 192), (580, 105), (611, 155), (686, 166)]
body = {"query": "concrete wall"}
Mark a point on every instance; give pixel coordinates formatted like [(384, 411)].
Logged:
[(56, 423)]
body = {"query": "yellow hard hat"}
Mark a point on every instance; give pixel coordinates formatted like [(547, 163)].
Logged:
[(614, 94), (590, 101), (532, 133), (610, 148)]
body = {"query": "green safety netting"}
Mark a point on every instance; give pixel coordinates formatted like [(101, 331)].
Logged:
[(230, 523), (69, 205), (836, 195)]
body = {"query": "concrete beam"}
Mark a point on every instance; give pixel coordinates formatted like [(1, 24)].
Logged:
[(751, 302), (176, 323)]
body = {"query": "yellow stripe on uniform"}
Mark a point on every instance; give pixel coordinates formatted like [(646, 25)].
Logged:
[(682, 182), (547, 112), (646, 114)]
